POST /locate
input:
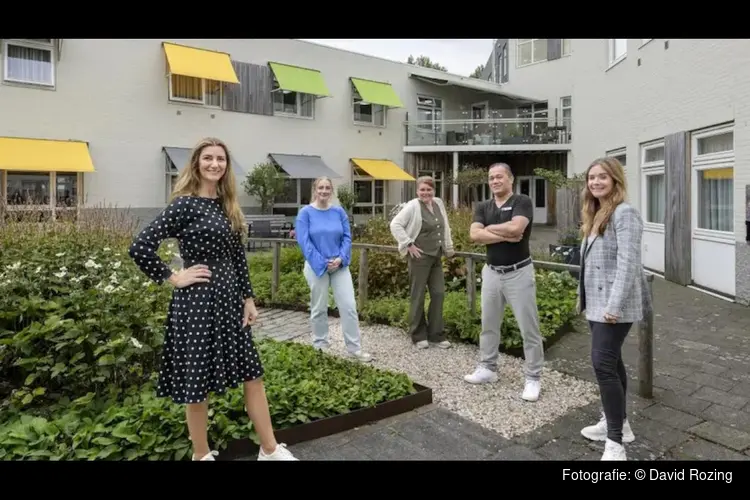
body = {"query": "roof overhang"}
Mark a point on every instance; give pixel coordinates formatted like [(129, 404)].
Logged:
[(442, 79)]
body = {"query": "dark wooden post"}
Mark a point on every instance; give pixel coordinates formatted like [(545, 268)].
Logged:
[(362, 279), (276, 269), (646, 347), (471, 284)]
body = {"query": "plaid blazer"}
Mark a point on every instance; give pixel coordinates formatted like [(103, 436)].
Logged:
[(612, 276)]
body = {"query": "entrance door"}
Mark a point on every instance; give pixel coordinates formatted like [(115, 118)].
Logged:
[(536, 189)]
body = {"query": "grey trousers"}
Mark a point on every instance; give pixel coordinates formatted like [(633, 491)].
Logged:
[(426, 272), (518, 289)]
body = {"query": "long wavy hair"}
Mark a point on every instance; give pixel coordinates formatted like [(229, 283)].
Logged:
[(189, 183), (595, 214)]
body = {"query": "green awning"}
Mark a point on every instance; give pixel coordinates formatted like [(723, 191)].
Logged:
[(377, 93), (303, 80)]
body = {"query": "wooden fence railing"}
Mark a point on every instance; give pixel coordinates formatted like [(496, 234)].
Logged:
[(645, 328)]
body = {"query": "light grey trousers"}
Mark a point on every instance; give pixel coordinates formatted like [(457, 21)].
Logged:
[(343, 294), (518, 289)]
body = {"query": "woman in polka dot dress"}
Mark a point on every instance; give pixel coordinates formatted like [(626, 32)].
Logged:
[(208, 345)]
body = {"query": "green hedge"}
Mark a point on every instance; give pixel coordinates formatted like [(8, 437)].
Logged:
[(81, 330)]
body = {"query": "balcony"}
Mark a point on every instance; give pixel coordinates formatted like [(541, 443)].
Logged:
[(488, 134)]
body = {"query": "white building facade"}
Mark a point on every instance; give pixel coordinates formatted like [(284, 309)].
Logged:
[(111, 122), (675, 112)]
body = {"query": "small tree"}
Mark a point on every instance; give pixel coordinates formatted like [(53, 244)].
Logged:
[(347, 198), (425, 62), (265, 182), (469, 178), (568, 194)]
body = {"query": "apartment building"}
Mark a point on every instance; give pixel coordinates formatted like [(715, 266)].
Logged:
[(675, 112), (88, 122)]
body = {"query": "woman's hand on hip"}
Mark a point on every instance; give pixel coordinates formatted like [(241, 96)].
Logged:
[(414, 251), (250, 314), (199, 273)]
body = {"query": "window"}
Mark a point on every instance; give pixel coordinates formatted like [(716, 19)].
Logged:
[(297, 193), (655, 188), (370, 193), (50, 194), (566, 49), (618, 49), (531, 50), (620, 155), (536, 119), (713, 164), (296, 104), (566, 108), (501, 75), (30, 61), (195, 90), (367, 113), (429, 113)]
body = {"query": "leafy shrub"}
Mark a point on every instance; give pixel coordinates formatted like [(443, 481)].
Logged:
[(81, 331)]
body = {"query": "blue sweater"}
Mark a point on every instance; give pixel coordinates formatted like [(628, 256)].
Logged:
[(324, 235)]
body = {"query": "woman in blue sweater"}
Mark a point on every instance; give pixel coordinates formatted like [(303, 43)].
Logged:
[(322, 231)]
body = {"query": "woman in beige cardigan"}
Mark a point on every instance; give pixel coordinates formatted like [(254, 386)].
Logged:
[(423, 234)]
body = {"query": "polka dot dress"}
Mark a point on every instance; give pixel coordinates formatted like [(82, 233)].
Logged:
[(205, 347)]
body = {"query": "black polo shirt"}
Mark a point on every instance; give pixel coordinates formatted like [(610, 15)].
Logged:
[(506, 253)]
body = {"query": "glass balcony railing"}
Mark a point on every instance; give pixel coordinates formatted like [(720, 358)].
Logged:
[(487, 132)]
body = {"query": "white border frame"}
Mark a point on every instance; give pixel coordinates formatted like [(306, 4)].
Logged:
[(711, 161), (19, 42), (649, 169)]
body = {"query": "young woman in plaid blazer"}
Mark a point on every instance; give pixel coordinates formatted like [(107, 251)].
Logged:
[(611, 291)]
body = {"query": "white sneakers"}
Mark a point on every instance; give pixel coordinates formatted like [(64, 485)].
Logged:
[(531, 390), (423, 344), (280, 453), (598, 431), (612, 450), (208, 457), (360, 356), (483, 375)]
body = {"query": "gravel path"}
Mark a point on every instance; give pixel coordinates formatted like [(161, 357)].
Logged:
[(495, 406)]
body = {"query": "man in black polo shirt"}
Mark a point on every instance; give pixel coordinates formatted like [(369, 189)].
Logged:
[(503, 224)]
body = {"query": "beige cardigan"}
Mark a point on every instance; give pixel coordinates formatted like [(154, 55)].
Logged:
[(406, 225)]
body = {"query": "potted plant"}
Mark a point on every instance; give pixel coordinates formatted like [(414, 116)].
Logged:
[(568, 243), (568, 247)]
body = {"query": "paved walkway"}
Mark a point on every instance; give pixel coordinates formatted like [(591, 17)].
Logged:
[(700, 410), (701, 405)]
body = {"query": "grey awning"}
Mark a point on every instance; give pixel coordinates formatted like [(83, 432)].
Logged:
[(303, 166), (180, 157)]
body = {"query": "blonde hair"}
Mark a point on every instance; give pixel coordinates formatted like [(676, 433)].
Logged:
[(189, 183), (315, 184), (595, 213)]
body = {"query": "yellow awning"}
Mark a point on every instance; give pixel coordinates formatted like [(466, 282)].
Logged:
[(200, 63), (43, 155), (383, 170)]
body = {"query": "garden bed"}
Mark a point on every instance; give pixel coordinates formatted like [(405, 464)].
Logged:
[(329, 426), (81, 331)]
